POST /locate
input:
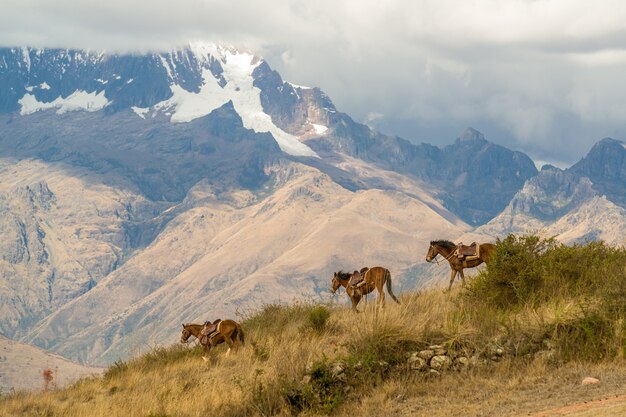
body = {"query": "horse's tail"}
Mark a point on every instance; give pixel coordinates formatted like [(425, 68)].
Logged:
[(388, 281), (240, 335)]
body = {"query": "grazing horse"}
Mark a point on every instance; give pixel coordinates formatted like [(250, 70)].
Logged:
[(228, 331), (374, 278), (450, 252)]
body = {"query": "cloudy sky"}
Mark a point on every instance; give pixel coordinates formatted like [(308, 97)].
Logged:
[(542, 76)]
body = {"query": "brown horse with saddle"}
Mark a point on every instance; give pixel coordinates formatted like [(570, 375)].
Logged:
[(364, 282), (212, 334), (460, 256)]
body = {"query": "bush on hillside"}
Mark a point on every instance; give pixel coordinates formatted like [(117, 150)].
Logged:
[(317, 318), (583, 285), (528, 270), (514, 274), (323, 392)]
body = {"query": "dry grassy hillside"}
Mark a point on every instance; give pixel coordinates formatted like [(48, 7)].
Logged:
[(529, 328)]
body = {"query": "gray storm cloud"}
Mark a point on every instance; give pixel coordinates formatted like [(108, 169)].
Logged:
[(541, 76)]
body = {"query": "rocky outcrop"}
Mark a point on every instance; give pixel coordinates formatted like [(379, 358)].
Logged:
[(437, 359), (295, 109), (605, 166)]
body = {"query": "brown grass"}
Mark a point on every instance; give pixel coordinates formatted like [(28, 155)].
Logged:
[(283, 342), (507, 389)]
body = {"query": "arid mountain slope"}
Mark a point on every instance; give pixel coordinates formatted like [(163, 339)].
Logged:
[(22, 366), (63, 231), (239, 252)]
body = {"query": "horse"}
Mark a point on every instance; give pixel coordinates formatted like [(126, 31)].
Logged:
[(450, 252), (228, 331), (374, 278)]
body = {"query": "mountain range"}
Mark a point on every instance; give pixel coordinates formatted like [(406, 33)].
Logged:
[(138, 192)]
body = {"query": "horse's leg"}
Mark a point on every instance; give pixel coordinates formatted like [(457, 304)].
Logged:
[(462, 277), (452, 276), (236, 340), (381, 295), (206, 348), (356, 297), (229, 342)]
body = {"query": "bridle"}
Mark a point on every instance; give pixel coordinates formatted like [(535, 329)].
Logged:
[(187, 339), (338, 285), (434, 258)]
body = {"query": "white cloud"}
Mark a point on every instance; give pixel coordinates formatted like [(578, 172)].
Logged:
[(372, 118), (532, 74)]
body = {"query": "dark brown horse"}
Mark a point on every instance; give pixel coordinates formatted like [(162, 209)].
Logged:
[(228, 331), (374, 278), (450, 252)]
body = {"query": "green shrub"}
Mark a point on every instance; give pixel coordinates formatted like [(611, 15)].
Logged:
[(276, 317), (317, 317), (322, 393), (528, 270), (590, 338), (584, 270), (514, 275), (532, 274)]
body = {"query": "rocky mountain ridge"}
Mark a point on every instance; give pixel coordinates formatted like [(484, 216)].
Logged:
[(582, 203)]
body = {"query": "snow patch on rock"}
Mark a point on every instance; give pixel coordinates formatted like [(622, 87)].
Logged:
[(78, 100), (140, 111), (319, 129)]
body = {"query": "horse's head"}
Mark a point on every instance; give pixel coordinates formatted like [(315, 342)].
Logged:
[(335, 284), (432, 252), (186, 334)]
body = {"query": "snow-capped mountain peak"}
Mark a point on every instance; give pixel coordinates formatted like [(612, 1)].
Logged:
[(235, 83), (183, 85)]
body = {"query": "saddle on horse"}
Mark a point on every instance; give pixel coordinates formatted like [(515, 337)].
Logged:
[(468, 252), (358, 278), (209, 330)]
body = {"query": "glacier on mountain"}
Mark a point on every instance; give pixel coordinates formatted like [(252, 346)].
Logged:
[(79, 100), (239, 88)]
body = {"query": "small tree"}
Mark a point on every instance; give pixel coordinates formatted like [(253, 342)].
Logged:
[(48, 379)]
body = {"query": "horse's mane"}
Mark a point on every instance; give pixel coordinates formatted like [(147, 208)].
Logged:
[(344, 275), (445, 243)]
